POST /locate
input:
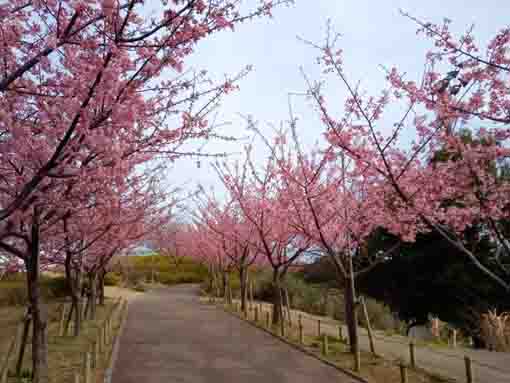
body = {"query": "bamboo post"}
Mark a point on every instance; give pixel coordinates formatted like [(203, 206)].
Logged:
[(357, 361), (325, 345), (369, 328), (319, 328), (469, 369), (88, 372), (62, 320), (403, 373), (412, 357)]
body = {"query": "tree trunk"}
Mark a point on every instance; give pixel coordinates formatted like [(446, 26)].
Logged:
[(39, 314), (93, 295), (229, 290), (74, 281), (243, 276), (224, 282), (101, 287), (351, 317), (277, 297)]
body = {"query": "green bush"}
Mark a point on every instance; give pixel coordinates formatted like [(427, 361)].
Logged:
[(174, 278), (112, 279), (13, 289)]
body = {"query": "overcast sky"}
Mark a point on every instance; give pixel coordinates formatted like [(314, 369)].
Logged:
[(373, 32)]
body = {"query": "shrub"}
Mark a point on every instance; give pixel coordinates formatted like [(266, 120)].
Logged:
[(379, 315), (174, 278), (13, 289), (112, 279)]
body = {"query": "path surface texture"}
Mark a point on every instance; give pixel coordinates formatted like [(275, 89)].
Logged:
[(170, 337)]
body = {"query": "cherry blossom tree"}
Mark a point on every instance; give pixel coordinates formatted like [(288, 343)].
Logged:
[(91, 90), (451, 174), (235, 234), (262, 198)]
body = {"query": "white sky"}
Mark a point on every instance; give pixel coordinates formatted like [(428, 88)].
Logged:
[(373, 32)]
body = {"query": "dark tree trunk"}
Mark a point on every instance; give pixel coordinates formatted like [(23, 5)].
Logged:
[(101, 287), (243, 276), (92, 301), (39, 314), (73, 279), (277, 297), (351, 317), (224, 282)]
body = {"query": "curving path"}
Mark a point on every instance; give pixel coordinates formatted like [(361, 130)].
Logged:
[(170, 337)]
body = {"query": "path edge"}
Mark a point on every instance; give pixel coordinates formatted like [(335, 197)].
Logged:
[(115, 351), (295, 346)]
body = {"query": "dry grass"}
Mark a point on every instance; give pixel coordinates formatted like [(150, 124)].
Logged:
[(66, 353), (495, 330)]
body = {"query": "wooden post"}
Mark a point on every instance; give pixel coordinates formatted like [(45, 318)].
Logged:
[(22, 342), (469, 369), (4, 368), (97, 352), (84, 302), (412, 357), (454, 338), (105, 337), (3, 376), (256, 319), (267, 319), (76, 377), (301, 335), (19, 339), (325, 345), (88, 372), (62, 321), (369, 328), (403, 373), (282, 327), (340, 333), (319, 328), (357, 361)]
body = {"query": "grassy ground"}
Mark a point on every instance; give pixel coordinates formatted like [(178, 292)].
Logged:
[(373, 368), (66, 353)]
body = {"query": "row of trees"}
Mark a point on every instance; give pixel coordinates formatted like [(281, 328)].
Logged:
[(95, 101), (440, 169)]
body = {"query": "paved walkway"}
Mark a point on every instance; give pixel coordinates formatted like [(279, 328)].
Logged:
[(171, 337)]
